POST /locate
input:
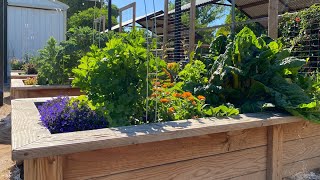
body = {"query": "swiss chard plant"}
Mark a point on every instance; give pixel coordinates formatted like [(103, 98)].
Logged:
[(256, 73)]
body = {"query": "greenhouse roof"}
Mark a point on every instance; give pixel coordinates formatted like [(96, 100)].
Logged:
[(39, 4)]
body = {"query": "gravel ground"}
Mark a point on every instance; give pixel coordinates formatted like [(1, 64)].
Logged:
[(314, 175), (8, 169)]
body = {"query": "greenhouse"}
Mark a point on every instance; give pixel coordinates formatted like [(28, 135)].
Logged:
[(168, 89)]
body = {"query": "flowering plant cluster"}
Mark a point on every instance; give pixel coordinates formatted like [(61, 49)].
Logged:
[(63, 114), (175, 104)]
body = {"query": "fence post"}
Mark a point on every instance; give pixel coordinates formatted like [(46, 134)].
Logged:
[(274, 152)]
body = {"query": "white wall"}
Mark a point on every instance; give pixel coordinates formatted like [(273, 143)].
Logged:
[(29, 29)]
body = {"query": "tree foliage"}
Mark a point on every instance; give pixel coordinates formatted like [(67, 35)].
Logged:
[(240, 17), (85, 18), (79, 5)]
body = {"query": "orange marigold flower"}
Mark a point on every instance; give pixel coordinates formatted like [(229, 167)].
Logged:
[(157, 83), (186, 94), (164, 100), (154, 95), (177, 95), (194, 103), (164, 86), (167, 93), (202, 98), (191, 98), (171, 110), (298, 19)]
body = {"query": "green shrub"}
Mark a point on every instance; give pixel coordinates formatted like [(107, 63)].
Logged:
[(114, 77), (16, 64), (30, 68), (51, 64), (78, 45)]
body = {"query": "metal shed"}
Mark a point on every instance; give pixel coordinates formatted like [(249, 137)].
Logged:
[(31, 23)]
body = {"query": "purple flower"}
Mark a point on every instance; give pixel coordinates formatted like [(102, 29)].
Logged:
[(60, 116)]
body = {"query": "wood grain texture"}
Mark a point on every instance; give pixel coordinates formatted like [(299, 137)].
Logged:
[(49, 168), (275, 150), (273, 11), (67, 143), (300, 130), (20, 90), (301, 149), (128, 158), (301, 166), (223, 166), (260, 175)]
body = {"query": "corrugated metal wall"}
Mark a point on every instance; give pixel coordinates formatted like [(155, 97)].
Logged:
[(29, 29)]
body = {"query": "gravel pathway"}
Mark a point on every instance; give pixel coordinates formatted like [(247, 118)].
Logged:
[(7, 166)]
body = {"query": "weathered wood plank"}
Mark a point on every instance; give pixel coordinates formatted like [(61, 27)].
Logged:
[(298, 130), (49, 168), (117, 160), (273, 11), (301, 166), (67, 143), (20, 90), (301, 149), (275, 150), (223, 166), (260, 175)]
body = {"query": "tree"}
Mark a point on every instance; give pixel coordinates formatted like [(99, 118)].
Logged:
[(240, 17), (85, 18), (79, 5)]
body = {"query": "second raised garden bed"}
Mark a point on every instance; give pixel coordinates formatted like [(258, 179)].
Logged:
[(16, 74), (252, 146), (20, 90)]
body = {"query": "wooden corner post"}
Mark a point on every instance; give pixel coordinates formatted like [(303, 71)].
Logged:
[(49, 168), (273, 12), (274, 153), (192, 32)]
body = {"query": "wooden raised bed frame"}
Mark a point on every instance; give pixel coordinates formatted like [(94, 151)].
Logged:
[(16, 75), (248, 147), (20, 90)]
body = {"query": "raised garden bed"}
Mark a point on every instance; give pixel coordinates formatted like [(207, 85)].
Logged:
[(20, 90), (21, 75), (250, 146)]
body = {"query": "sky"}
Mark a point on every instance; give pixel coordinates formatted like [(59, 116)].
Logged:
[(159, 5)]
